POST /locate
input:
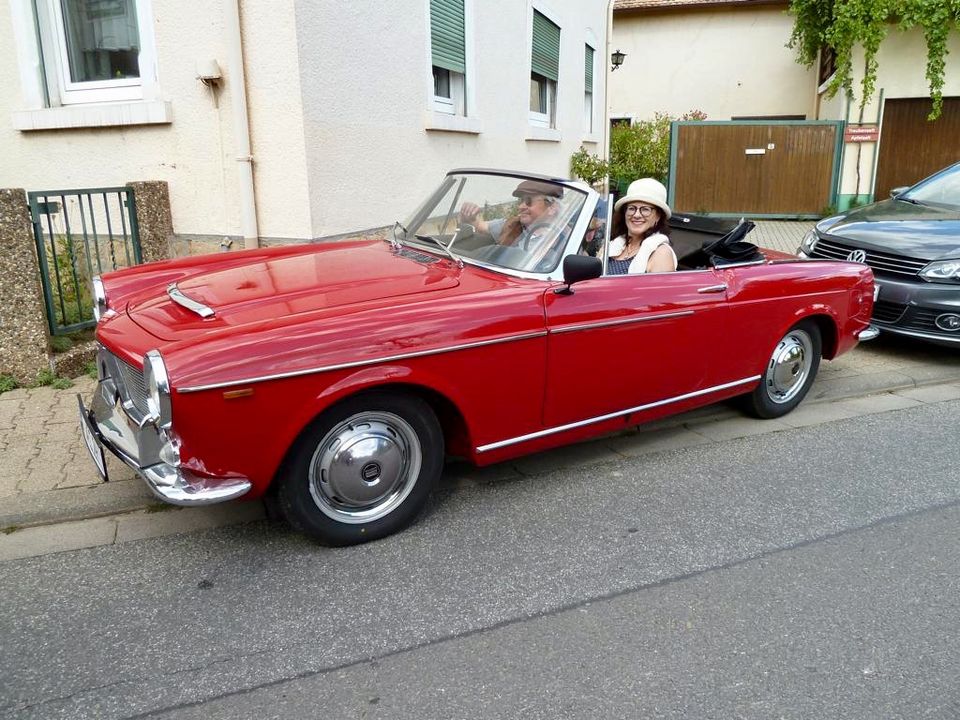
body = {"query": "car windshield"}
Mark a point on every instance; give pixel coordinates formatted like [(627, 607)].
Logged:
[(942, 189), (505, 221)]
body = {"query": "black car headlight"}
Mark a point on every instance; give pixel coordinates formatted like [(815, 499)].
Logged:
[(809, 242), (158, 389), (942, 271)]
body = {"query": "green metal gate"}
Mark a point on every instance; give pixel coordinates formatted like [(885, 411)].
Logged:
[(80, 234)]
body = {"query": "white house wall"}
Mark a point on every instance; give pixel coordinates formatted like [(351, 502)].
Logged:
[(195, 153), (367, 86), (338, 99), (728, 62)]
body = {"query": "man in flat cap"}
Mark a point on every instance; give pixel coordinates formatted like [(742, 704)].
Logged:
[(537, 205)]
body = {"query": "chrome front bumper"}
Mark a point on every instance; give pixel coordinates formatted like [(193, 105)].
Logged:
[(113, 427), (868, 333)]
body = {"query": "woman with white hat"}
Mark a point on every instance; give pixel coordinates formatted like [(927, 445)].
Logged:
[(640, 229)]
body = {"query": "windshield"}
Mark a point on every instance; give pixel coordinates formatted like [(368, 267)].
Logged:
[(942, 189), (504, 221)]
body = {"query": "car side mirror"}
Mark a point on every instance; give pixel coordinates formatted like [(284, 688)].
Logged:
[(577, 268), (899, 191)]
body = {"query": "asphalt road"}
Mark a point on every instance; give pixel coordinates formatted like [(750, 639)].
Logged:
[(810, 573)]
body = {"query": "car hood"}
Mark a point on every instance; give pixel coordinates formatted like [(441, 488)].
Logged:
[(325, 277), (920, 231)]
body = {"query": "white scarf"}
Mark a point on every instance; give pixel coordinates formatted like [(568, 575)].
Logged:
[(640, 260)]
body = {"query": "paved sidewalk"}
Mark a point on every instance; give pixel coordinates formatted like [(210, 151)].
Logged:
[(51, 498), (783, 235)]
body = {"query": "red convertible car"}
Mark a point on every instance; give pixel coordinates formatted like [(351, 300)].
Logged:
[(340, 375)]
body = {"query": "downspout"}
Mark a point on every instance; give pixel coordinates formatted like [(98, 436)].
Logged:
[(606, 96), (241, 125)]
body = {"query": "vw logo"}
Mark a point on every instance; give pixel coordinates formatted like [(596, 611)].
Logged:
[(948, 321), (857, 256)]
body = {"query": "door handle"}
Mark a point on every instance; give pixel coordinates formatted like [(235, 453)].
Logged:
[(713, 289)]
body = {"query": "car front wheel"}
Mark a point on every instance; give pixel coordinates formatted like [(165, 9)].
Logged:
[(362, 470), (789, 373)]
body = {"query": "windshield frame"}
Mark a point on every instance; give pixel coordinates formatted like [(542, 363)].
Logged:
[(587, 209)]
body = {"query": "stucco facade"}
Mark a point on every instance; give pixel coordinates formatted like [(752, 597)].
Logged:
[(727, 62), (730, 60), (339, 99)]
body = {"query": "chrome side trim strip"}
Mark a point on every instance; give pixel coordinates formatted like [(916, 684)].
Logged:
[(361, 363), (610, 416), (625, 321), (189, 303)]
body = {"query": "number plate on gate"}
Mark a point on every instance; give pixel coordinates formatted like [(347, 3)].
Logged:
[(90, 440)]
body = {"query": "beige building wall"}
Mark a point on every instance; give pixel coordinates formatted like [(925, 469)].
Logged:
[(339, 95), (195, 153), (374, 147), (727, 62)]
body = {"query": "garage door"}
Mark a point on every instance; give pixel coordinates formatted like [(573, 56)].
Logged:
[(912, 147), (782, 169)]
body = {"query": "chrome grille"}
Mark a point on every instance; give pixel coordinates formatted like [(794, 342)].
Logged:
[(133, 386), (127, 379), (881, 263)]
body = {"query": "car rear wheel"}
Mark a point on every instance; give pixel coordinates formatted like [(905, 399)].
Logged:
[(362, 470), (789, 373)]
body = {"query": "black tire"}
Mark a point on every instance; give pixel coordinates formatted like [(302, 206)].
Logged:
[(364, 469), (789, 373)]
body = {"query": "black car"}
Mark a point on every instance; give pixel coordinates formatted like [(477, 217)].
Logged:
[(912, 242)]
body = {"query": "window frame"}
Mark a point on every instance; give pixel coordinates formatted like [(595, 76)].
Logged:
[(457, 103), (62, 90), (550, 87), (590, 83), (547, 92)]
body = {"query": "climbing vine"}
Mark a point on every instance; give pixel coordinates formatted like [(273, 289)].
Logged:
[(842, 25)]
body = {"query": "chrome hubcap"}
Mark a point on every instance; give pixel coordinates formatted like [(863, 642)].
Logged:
[(365, 467), (789, 367)]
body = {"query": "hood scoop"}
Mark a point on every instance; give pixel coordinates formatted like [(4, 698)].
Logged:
[(175, 294)]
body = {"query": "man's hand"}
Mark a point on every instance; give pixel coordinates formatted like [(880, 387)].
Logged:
[(470, 212)]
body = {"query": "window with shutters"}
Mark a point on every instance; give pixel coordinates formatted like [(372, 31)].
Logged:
[(544, 71), (448, 54), (588, 60)]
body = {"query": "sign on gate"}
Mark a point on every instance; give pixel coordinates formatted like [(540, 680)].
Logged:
[(861, 133)]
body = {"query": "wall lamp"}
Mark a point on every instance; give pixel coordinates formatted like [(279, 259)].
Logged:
[(616, 59)]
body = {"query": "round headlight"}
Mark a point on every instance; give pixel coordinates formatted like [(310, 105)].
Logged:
[(158, 388), (99, 298)]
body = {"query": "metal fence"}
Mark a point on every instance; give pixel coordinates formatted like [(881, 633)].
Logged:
[(80, 234)]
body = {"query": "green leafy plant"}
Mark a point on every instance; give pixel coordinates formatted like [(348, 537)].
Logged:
[(90, 369), (636, 151), (46, 378), (588, 167), (843, 25), (7, 383), (60, 343)]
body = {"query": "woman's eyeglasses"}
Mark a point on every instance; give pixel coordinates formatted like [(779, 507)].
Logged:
[(641, 210)]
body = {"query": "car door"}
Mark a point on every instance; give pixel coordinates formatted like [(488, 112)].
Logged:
[(619, 342)]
